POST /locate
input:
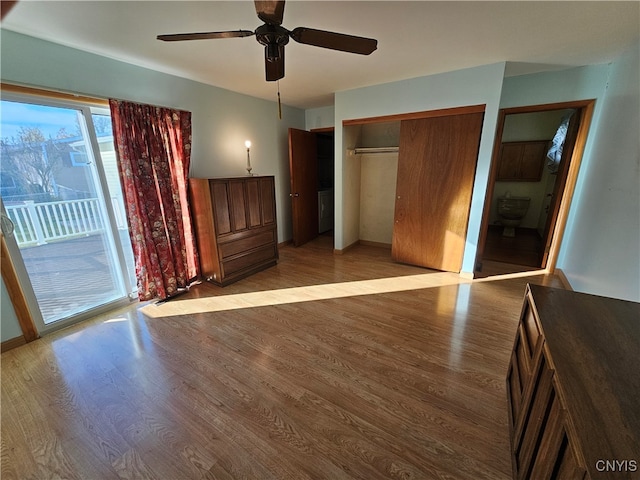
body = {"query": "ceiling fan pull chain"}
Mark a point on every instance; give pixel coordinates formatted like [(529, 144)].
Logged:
[(279, 104)]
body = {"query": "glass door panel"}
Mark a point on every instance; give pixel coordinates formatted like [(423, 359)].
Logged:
[(55, 192)]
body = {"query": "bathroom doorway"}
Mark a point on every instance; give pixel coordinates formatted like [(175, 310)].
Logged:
[(534, 168)]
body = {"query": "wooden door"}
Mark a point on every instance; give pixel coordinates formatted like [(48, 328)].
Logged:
[(558, 188), (303, 165), (436, 169)]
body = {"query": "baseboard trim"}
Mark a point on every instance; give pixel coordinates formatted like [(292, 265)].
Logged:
[(375, 244), (337, 251), (12, 343), (285, 243), (563, 279)]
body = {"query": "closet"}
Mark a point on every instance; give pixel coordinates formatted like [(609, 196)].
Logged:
[(434, 172)]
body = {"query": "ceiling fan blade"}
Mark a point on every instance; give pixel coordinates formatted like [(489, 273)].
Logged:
[(270, 12), (334, 41), (177, 37), (274, 68)]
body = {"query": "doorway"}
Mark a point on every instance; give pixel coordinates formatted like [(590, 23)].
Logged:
[(312, 172), (536, 158)]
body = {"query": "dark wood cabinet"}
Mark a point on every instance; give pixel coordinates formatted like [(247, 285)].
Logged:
[(521, 161), (573, 387), (235, 223)]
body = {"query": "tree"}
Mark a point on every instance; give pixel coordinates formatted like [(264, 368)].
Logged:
[(33, 159), (102, 125)]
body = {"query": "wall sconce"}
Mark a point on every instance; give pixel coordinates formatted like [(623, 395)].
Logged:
[(248, 145)]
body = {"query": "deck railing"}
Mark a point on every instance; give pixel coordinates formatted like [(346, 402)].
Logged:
[(40, 223)]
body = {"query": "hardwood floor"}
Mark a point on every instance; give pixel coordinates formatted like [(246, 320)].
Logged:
[(524, 249), (399, 384)]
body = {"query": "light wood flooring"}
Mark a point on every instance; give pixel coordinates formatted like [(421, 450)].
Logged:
[(503, 255), (405, 384)]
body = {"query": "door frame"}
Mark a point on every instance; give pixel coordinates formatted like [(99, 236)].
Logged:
[(586, 108), (16, 278)]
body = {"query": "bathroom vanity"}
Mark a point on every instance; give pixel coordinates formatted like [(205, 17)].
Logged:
[(573, 387)]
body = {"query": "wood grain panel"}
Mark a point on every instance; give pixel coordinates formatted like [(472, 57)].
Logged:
[(521, 161), (237, 205), (247, 243), (249, 260), (436, 170), (254, 205), (533, 159), (303, 167), (203, 220), (509, 161), (230, 224), (593, 343), (267, 196), (221, 212)]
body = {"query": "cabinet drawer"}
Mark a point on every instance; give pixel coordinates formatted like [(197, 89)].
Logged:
[(250, 260), (524, 356), (248, 243), (531, 427), (531, 328), (555, 456), (514, 391)]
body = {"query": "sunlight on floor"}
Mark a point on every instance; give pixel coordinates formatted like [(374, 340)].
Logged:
[(314, 292), (302, 294)]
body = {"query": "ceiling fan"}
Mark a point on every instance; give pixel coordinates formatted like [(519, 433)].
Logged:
[(274, 37)]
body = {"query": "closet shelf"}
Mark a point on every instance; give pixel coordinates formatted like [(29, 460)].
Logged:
[(373, 150)]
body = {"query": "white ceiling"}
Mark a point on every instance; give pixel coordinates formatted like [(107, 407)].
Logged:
[(415, 38)]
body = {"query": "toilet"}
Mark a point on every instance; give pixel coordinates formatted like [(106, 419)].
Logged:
[(511, 211)]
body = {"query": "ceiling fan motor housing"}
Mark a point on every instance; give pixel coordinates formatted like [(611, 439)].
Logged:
[(272, 37)]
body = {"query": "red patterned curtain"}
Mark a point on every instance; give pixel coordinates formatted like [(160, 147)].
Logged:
[(153, 146)]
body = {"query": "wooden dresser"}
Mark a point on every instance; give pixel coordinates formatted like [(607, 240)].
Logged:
[(235, 223), (573, 387)]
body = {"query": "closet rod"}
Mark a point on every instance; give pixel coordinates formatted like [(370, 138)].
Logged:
[(369, 150)]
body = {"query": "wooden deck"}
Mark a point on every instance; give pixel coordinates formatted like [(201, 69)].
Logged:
[(373, 385), (71, 275)]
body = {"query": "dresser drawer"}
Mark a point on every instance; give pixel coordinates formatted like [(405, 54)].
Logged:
[(247, 243), (249, 260)]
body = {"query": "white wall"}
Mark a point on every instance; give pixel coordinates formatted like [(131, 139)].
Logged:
[(322, 117), (221, 120), (348, 180), (599, 253), (378, 175), (473, 86), (601, 249)]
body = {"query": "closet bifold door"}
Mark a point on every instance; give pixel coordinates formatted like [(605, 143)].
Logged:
[(436, 169)]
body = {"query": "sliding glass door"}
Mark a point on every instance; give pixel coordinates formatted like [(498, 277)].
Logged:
[(61, 193)]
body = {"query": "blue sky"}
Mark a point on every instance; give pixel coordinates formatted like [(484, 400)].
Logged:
[(50, 120)]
